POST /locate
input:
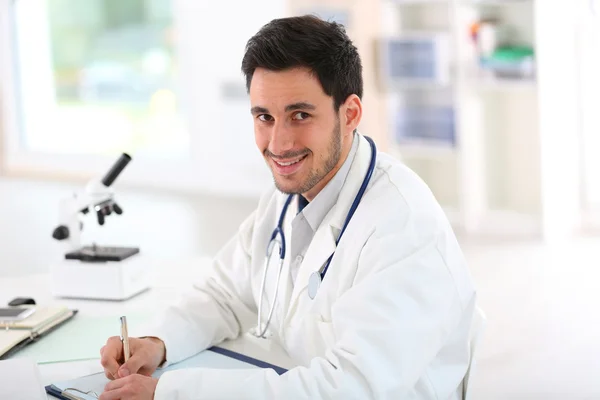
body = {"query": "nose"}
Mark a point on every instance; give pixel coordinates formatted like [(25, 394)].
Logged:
[(281, 140)]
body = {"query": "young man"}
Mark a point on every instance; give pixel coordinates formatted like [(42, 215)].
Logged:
[(385, 313)]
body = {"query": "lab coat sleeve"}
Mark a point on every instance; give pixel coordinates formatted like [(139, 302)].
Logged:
[(213, 310), (388, 328)]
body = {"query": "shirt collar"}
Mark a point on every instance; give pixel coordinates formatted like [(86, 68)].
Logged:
[(316, 210)]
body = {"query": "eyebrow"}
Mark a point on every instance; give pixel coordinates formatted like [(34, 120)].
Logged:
[(302, 105), (299, 106), (259, 110)]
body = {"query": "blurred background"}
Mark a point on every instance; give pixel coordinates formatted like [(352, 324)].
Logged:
[(494, 103)]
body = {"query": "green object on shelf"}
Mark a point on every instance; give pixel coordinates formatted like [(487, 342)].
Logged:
[(512, 53)]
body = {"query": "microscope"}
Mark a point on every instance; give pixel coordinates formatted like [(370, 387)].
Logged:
[(95, 272)]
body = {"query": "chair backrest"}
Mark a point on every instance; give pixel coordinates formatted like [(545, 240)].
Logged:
[(477, 330)]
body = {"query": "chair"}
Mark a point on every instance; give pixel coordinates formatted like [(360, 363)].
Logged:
[(477, 330)]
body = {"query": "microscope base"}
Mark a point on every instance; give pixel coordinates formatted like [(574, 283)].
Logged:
[(110, 280)]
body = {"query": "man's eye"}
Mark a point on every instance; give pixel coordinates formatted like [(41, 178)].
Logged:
[(301, 116), (265, 117)]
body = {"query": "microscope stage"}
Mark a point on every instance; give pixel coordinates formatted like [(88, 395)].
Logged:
[(102, 253)]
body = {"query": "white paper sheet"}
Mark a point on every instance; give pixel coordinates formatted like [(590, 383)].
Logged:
[(20, 380)]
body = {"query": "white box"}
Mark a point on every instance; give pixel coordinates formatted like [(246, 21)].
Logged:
[(111, 280)]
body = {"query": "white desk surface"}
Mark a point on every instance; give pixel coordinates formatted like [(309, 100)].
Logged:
[(541, 340), (166, 287)]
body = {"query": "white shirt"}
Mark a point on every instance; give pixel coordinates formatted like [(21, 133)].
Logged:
[(308, 220)]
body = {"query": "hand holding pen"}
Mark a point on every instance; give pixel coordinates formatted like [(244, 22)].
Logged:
[(129, 364), (122, 355)]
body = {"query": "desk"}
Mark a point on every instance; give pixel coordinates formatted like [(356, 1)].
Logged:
[(543, 325), (166, 287)]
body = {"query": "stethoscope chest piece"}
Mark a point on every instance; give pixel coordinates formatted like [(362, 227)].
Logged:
[(314, 283)]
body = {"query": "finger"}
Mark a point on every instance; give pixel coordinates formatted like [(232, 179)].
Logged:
[(111, 370), (102, 350), (112, 353), (138, 359), (118, 383), (112, 350), (116, 394), (106, 373), (123, 388), (134, 364)]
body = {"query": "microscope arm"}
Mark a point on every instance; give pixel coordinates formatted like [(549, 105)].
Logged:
[(98, 197)]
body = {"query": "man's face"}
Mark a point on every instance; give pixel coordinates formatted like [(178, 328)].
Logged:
[(296, 129)]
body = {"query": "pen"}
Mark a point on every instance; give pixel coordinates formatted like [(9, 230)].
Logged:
[(125, 338)]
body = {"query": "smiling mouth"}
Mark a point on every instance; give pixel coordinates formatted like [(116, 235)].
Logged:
[(289, 166), (291, 162)]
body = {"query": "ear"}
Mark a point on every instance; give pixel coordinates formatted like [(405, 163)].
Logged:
[(352, 113)]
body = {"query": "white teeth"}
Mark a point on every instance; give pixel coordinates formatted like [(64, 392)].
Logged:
[(288, 163)]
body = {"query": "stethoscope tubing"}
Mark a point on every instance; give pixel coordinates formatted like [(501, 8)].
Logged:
[(278, 236)]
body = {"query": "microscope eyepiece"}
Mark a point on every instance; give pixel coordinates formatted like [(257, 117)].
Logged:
[(116, 169)]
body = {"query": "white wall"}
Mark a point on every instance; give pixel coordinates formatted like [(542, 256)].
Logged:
[(559, 117), (212, 39)]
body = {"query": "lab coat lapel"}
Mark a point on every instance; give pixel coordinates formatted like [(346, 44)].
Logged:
[(323, 244), (356, 175)]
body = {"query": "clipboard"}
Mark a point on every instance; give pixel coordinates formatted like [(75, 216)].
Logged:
[(70, 393), (21, 337), (85, 388)]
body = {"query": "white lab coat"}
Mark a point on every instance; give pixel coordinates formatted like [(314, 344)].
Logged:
[(390, 321)]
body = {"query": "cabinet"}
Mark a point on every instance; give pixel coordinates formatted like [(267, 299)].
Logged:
[(484, 164), (478, 98)]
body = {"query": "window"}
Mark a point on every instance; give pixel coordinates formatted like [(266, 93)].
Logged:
[(101, 78), (159, 79)]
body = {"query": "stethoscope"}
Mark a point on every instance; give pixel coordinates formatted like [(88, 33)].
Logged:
[(278, 238)]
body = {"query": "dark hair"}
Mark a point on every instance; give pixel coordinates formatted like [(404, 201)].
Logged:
[(308, 41)]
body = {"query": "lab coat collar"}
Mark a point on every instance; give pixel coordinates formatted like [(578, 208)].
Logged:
[(324, 201), (354, 180), (324, 241)]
